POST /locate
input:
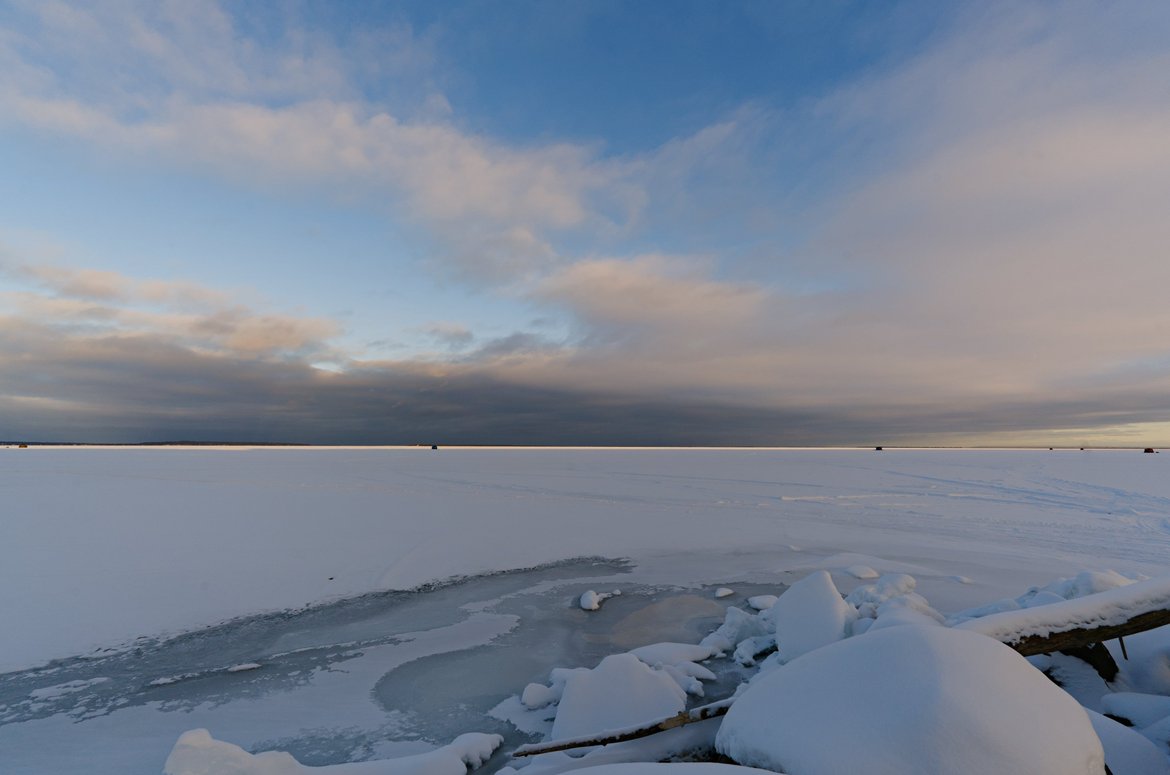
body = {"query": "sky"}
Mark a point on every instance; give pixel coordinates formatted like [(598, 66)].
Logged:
[(654, 222)]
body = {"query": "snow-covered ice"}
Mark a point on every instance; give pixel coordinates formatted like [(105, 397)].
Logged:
[(106, 545), (122, 558)]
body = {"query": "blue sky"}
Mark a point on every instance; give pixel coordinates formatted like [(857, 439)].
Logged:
[(595, 222)]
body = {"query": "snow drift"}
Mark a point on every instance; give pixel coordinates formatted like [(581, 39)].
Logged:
[(911, 699)]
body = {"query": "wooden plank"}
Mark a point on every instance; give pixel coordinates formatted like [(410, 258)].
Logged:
[(701, 713), (1079, 637)]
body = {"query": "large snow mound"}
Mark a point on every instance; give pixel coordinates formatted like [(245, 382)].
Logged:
[(198, 753), (910, 699)]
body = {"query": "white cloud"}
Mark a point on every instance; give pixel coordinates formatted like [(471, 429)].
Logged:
[(181, 81), (94, 304), (667, 293)]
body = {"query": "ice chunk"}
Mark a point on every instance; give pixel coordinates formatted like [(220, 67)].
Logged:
[(724, 592), (869, 597), (749, 649), (861, 572), (809, 614), (910, 699), (198, 753), (535, 723), (762, 602), (620, 692), (60, 690), (671, 653), (678, 660), (908, 608), (687, 682), (737, 625), (1126, 751), (243, 668), (591, 600), (538, 696)]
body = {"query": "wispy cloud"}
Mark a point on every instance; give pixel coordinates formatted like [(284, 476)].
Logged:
[(184, 83), (97, 306)]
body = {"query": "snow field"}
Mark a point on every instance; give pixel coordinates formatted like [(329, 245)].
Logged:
[(103, 546)]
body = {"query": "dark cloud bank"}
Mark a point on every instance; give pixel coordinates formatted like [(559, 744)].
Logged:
[(137, 389)]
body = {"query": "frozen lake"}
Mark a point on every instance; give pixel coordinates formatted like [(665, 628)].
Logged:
[(149, 574), (382, 674)]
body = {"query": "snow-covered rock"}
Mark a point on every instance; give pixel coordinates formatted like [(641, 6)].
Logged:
[(867, 598), (1141, 710), (658, 654), (538, 695), (910, 700), (810, 614), (738, 625), (762, 602), (619, 692), (748, 649), (1126, 751), (680, 662), (591, 600), (198, 753), (909, 608)]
